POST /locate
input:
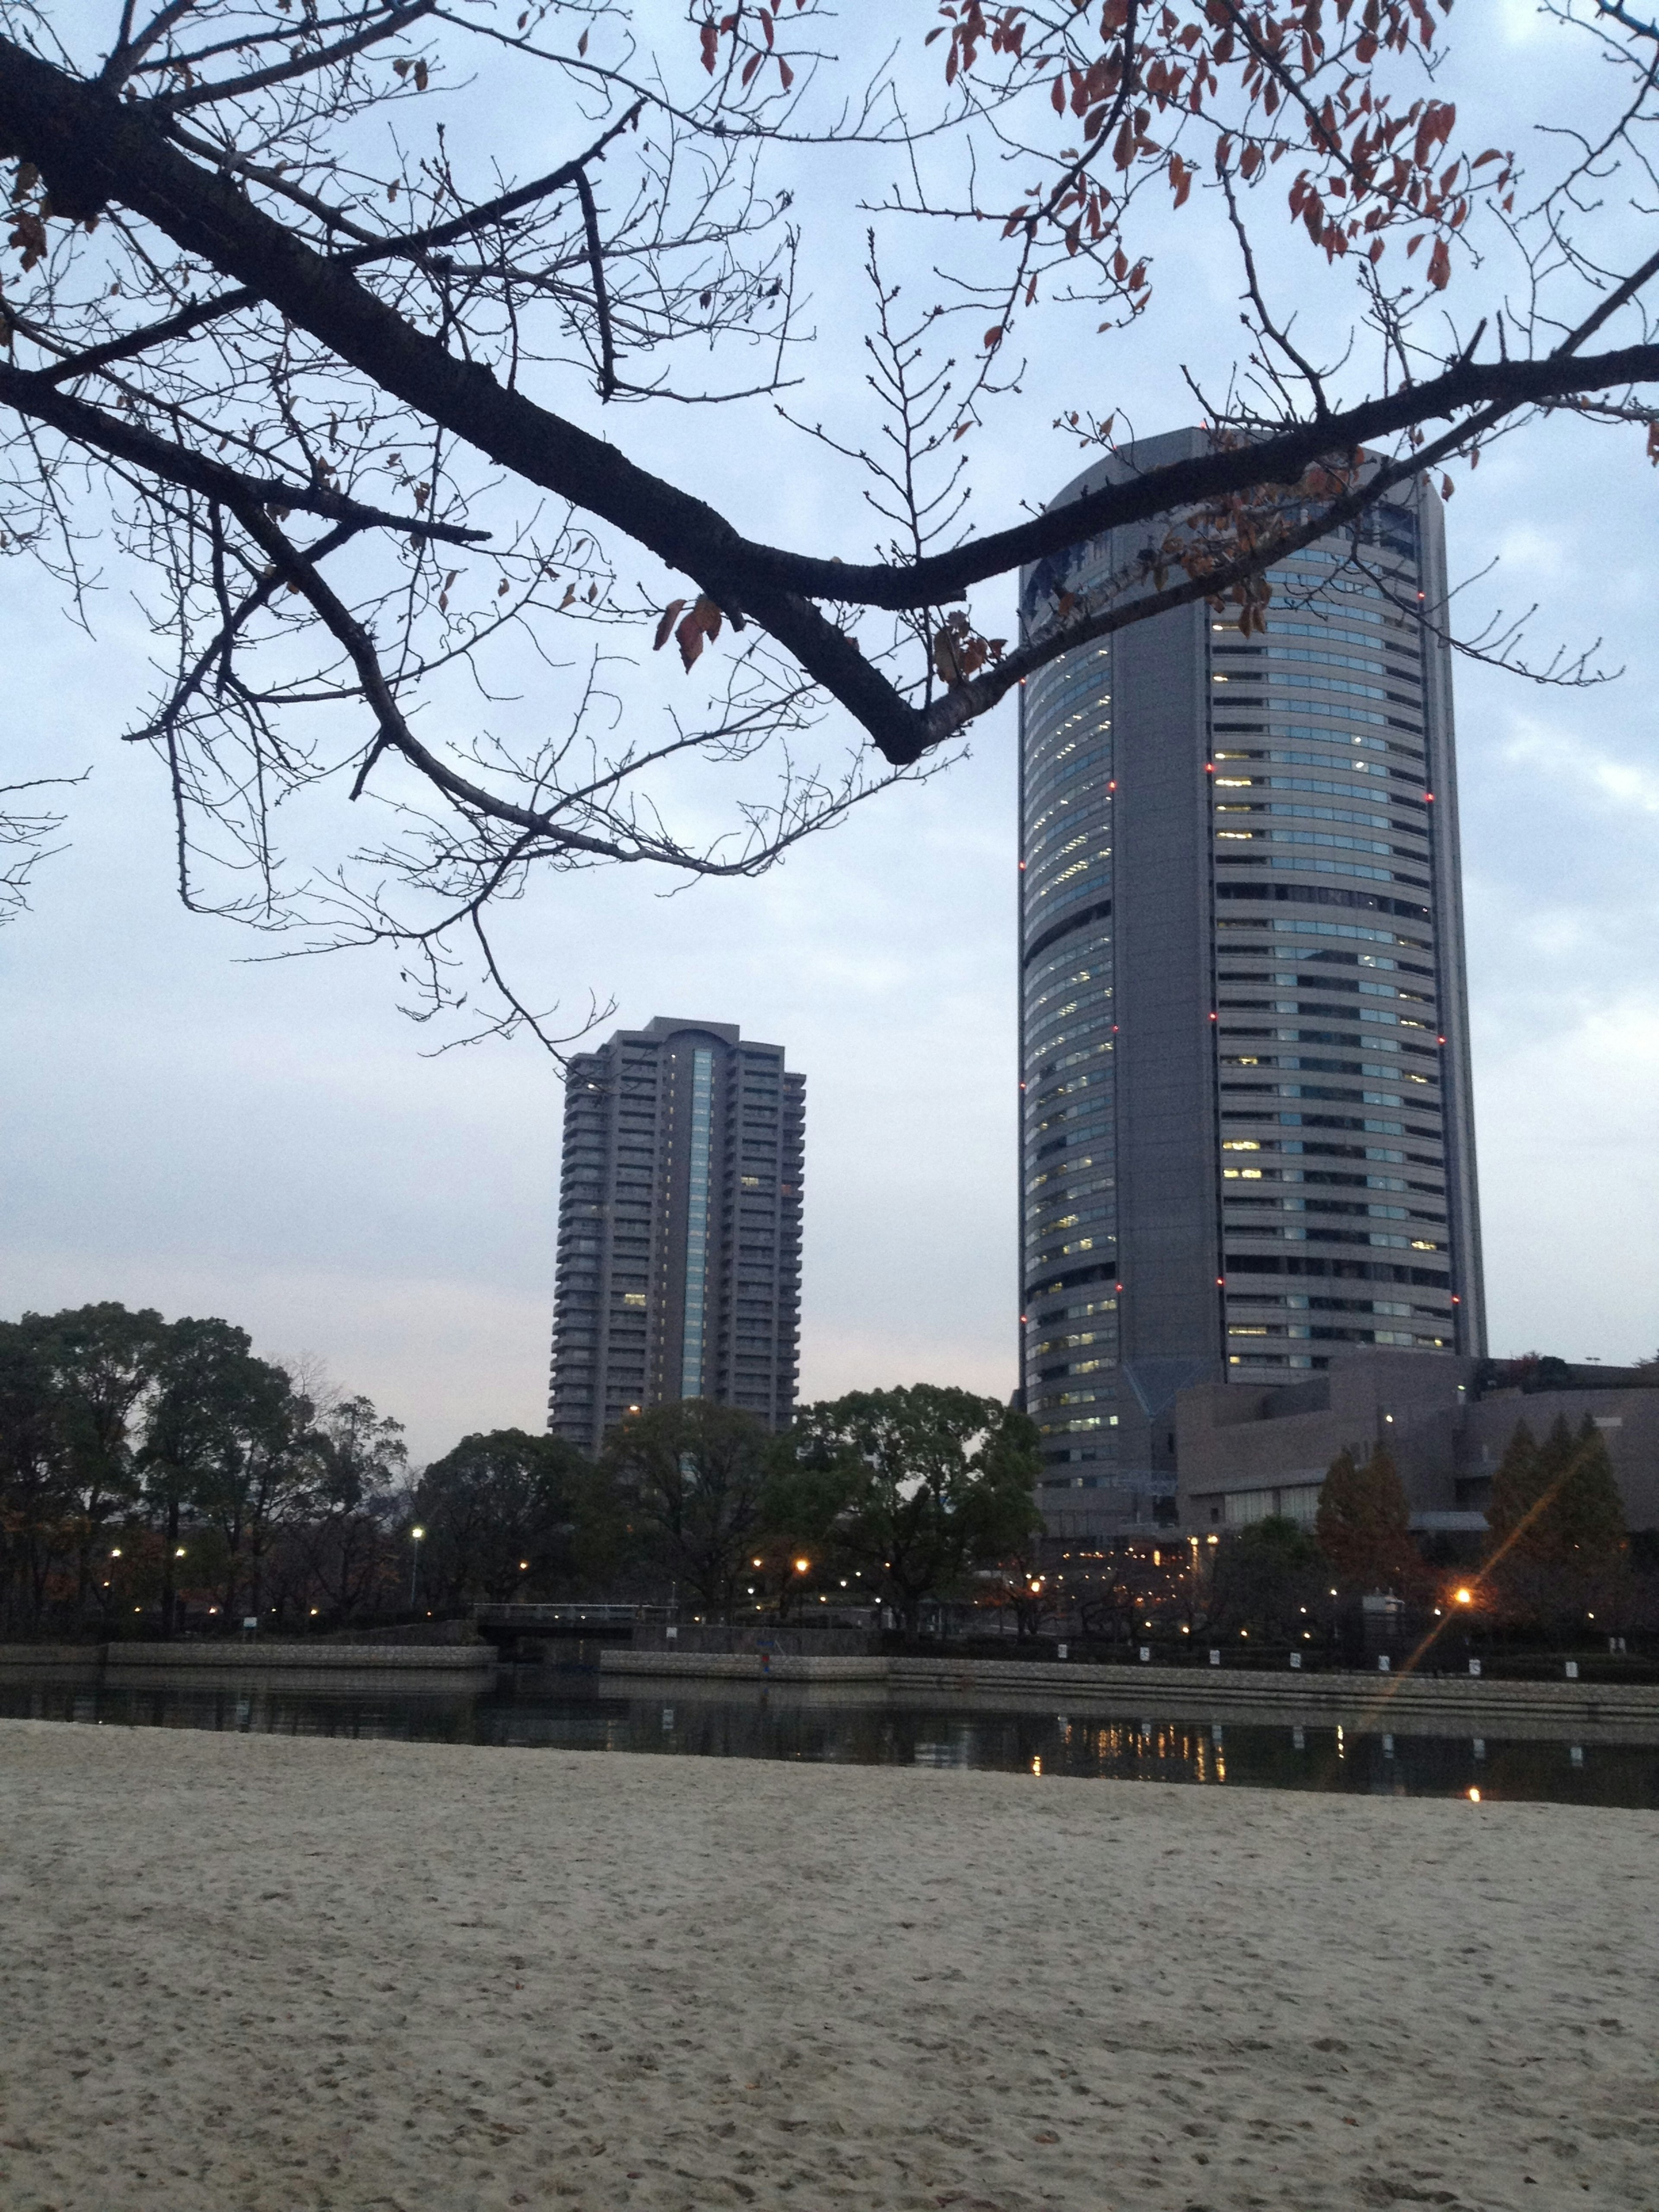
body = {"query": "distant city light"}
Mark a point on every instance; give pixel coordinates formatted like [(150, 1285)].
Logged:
[(1465, 1597)]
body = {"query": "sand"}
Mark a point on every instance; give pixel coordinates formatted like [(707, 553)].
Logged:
[(258, 1974)]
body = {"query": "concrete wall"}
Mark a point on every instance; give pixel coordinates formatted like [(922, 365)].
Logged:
[(1236, 1440), (1628, 1421)]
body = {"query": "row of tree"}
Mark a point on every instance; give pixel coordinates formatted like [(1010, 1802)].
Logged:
[(1556, 1537), (155, 1471), (143, 1462), (902, 1497), (1557, 1561)]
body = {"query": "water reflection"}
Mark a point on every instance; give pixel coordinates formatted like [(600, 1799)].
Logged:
[(575, 1709)]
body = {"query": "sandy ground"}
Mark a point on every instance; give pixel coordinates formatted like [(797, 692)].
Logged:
[(255, 1974)]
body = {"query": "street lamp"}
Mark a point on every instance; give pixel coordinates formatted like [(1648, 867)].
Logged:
[(414, 1536)]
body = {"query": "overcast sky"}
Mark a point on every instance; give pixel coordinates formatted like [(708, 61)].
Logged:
[(267, 1142)]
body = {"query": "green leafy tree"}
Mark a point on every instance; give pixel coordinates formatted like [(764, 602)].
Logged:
[(1267, 1579), (356, 1458), (501, 1511), (37, 1495), (939, 1482), (211, 1401), (256, 1474), (1364, 1524), (698, 1487), (104, 1361)]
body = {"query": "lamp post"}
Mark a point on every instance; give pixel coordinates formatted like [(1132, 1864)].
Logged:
[(414, 1536)]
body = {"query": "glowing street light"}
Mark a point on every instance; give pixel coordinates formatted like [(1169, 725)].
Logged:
[(414, 1536), (1465, 1597), (801, 1566)]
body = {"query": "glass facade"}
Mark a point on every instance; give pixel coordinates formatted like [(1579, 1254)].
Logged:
[(1247, 1137), (696, 1222), (1069, 1181), (679, 1228), (1333, 1190)]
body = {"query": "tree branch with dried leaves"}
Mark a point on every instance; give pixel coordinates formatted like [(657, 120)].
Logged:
[(264, 269)]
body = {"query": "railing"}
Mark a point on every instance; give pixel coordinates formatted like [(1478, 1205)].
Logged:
[(564, 1616)]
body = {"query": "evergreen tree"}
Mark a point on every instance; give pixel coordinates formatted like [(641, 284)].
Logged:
[(1516, 1489), (1588, 1512), (1364, 1523)]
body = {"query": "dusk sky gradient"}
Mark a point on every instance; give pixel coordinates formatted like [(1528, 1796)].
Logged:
[(267, 1141)]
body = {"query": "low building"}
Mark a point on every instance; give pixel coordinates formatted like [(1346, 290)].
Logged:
[(1242, 1452)]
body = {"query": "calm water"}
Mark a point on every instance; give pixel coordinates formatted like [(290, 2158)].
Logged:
[(568, 1710)]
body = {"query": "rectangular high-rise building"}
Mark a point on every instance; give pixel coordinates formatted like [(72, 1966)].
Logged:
[(679, 1228), (1247, 1138)]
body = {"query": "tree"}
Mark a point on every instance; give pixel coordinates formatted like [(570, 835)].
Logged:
[(1268, 1578), (87, 1372), (696, 1484), (503, 1512), (1590, 1511), (1556, 1523), (278, 325), (36, 1490), (1364, 1524), (939, 1482), (105, 1361), (1517, 1492), (356, 1456), (217, 1431)]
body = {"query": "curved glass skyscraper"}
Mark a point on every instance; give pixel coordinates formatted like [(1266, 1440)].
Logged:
[(1247, 1138)]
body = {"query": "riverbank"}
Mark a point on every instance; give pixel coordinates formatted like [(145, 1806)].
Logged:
[(221, 1655), (1374, 1702), (275, 1974)]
